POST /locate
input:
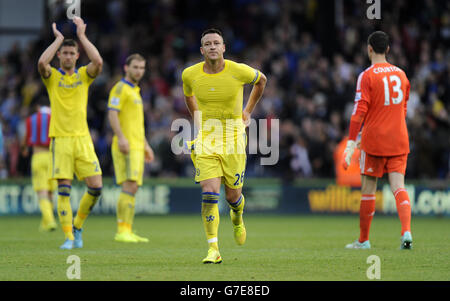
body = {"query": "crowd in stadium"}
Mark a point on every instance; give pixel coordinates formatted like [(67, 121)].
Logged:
[(311, 69)]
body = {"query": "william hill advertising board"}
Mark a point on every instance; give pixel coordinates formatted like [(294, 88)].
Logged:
[(164, 199)]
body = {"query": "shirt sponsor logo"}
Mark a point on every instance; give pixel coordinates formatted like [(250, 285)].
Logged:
[(115, 101), (71, 86)]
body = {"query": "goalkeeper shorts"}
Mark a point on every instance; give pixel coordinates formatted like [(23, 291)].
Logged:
[(376, 166)]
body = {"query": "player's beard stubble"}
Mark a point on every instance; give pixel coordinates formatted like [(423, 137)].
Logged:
[(136, 78)]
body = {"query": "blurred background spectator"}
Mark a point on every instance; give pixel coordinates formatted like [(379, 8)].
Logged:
[(311, 51)]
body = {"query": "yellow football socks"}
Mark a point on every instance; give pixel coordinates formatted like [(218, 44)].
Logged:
[(47, 211), (125, 212), (238, 209), (210, 217), (65, 210), (87, 202)]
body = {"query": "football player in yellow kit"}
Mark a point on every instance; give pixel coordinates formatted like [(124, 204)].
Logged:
[(71, 145), (129, 147), (213, 92)]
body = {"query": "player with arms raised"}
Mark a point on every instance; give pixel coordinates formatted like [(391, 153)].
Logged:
[(71, 144), (382, 94), (213, 92)]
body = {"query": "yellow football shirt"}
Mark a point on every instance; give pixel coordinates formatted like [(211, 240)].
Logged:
[(125, 98), (219, 97), (68, 96), (219, 94)]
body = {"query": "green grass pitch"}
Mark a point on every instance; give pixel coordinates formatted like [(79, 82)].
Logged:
[(277, 248)]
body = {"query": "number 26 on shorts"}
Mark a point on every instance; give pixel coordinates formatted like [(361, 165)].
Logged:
[(239, 177)]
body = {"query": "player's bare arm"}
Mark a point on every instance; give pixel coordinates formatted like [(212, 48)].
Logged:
[(113, 117), (149, 154), (192, 106), (44, 67), (95, 66), (255, 96), (24, 146)]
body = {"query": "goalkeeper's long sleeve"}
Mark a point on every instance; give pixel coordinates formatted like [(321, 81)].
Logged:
[(359, 113)]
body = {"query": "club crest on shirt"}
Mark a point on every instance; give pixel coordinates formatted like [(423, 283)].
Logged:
[(210, 218)]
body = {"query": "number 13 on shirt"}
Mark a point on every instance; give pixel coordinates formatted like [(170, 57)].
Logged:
[(397, 88)]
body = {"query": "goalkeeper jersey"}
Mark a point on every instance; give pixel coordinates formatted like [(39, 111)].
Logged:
[(382, 94)]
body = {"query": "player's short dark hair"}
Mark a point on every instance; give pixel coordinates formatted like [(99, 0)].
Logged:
[(379, 40), (211, 30), (70, 43), (134, 56)]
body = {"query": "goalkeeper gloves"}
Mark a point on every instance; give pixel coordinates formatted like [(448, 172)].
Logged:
[(348, 153)]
